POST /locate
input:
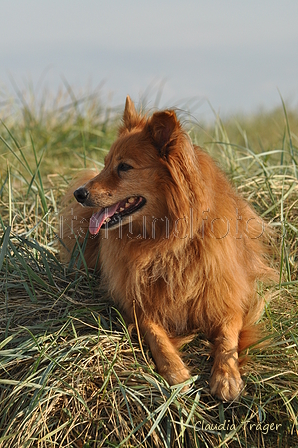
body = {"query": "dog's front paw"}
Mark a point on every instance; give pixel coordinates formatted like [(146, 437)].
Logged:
[(226, 383), (176, 375)]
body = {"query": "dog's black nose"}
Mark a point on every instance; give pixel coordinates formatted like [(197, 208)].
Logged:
[(81, 194)]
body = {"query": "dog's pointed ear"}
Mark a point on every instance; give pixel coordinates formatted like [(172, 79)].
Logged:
[(162, 126), (130, 117), (130, 112)]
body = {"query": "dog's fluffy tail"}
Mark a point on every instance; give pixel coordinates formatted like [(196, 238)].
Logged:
[(179, 341), (74, 223), (253, 332)]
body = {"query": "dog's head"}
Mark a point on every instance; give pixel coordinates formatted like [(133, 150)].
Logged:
[(149, 161)]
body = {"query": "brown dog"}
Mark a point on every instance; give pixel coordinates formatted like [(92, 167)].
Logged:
[(179, 250)]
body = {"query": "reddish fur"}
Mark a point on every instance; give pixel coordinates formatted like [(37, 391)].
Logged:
[(199, 279)]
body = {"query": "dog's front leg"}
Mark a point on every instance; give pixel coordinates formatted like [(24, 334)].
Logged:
[(167, 359), (226, 382)]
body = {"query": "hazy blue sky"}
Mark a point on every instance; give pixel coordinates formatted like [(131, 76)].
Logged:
[(235, 53)]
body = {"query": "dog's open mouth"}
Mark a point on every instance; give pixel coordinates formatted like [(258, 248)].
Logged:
[(110, 216)]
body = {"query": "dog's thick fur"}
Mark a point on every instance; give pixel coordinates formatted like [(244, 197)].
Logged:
[(185, 261)]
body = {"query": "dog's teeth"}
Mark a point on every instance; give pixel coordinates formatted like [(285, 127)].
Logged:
[(127, 205), (108, 219), (121, 209), (131, 200)]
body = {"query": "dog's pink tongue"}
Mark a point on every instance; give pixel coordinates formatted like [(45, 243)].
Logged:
[(97, 219)]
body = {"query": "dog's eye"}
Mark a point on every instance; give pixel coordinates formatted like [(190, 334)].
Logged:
[(124, 167)]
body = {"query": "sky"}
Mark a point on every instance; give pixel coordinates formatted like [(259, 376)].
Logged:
[(227, 55)]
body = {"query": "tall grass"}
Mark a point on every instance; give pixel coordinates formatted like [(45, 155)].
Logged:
[(71, 374)]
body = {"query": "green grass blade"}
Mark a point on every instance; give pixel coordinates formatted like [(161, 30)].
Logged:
[(4, 244)]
